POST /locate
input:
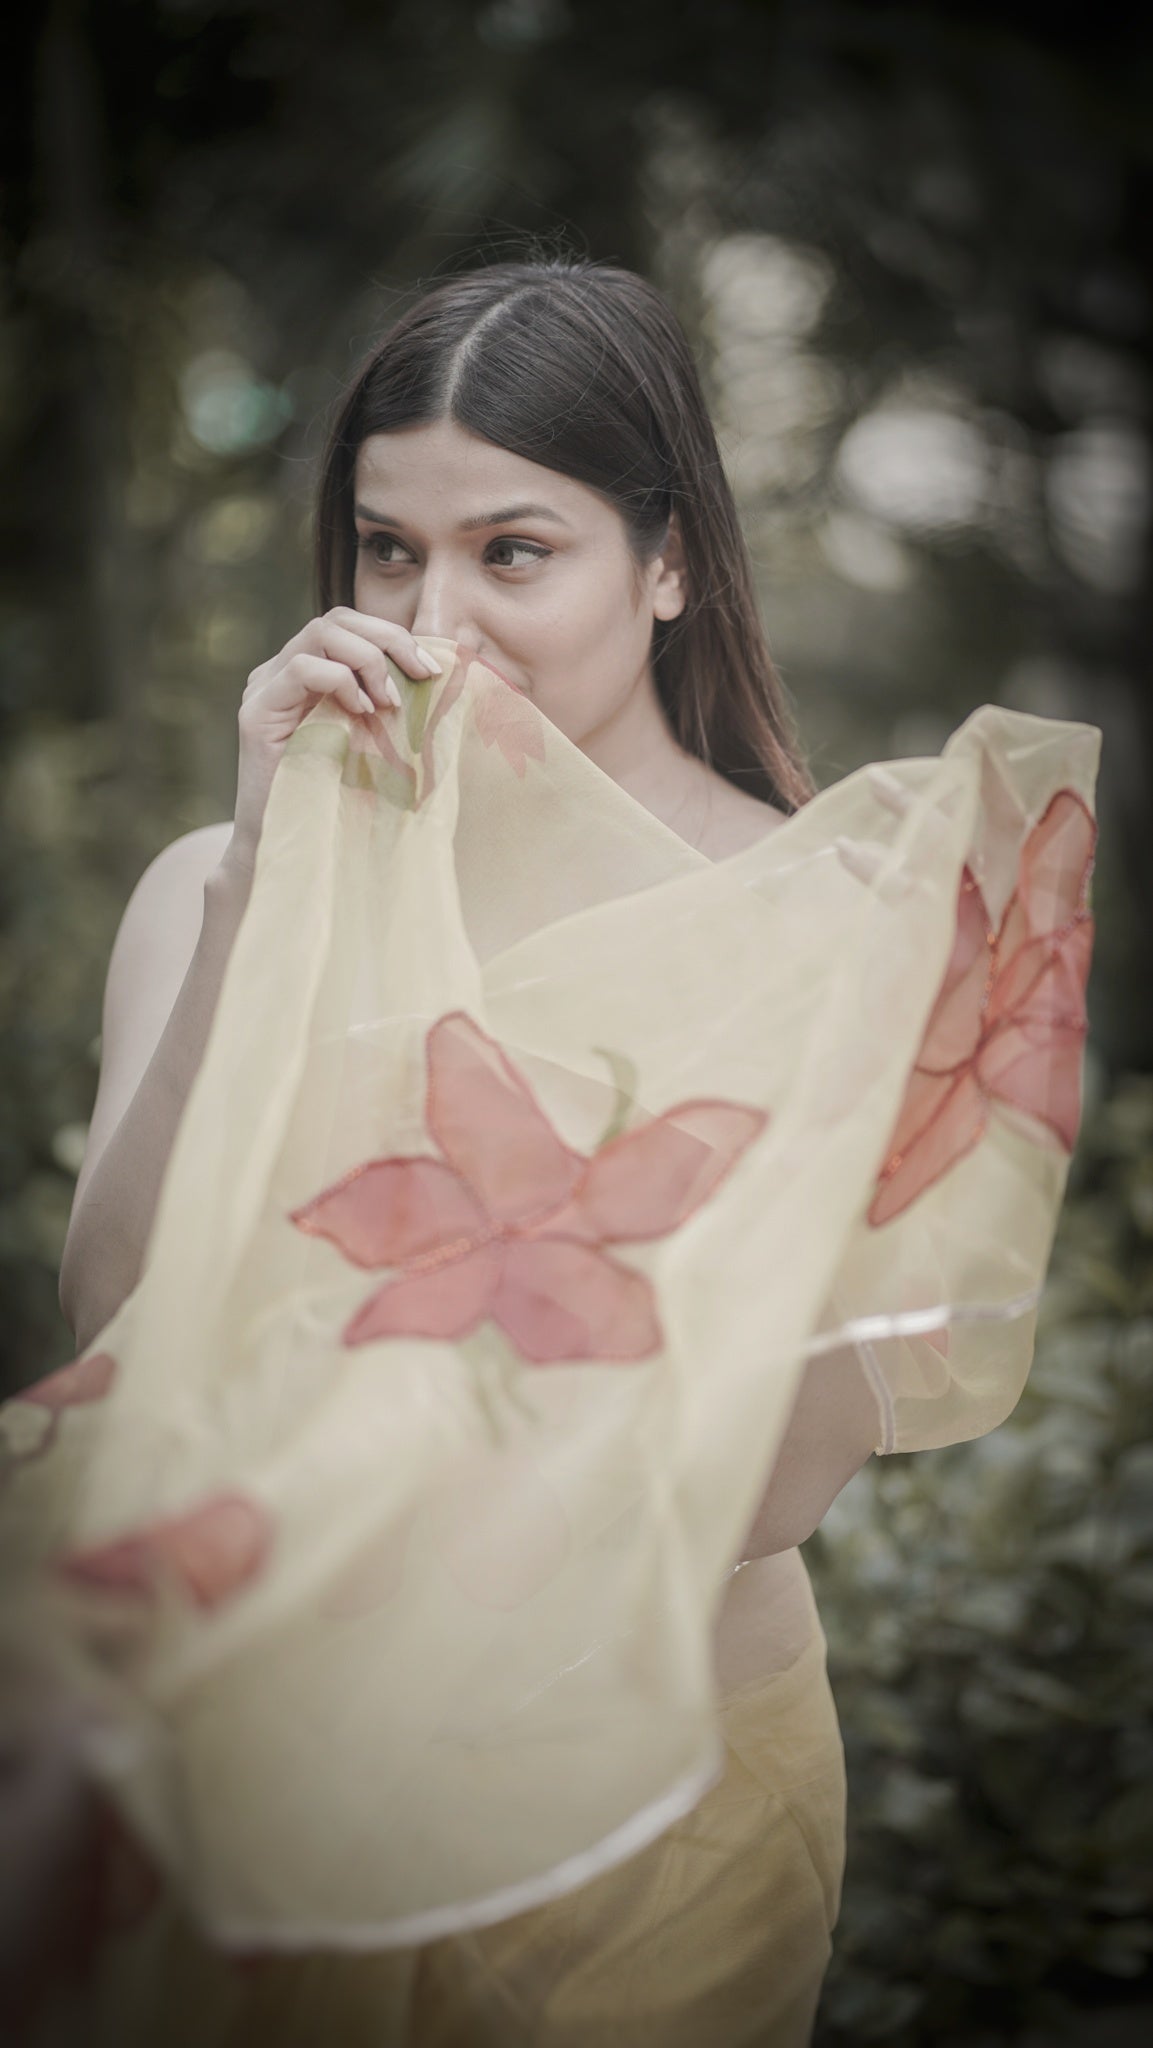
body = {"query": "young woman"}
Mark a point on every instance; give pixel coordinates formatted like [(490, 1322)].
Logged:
[(525, 466), (523, 513)]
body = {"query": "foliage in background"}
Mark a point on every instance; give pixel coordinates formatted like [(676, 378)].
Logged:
[(988, 1610)]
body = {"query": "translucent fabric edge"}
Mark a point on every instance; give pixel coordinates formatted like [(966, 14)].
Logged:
[(633, 1835), (862, 1332)]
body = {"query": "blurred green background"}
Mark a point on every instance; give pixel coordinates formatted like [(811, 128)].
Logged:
[(912, 248)]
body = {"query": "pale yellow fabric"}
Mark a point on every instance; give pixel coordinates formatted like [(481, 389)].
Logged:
[(472, 1677), (719, 1931)]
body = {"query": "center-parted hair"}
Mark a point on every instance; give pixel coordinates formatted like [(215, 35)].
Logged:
[(585, 369)]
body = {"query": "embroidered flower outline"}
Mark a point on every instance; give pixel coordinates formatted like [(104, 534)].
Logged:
[(83, 1381), (1009, 1022), (506, 719), (208, 1551), (511, 1223), (405, 783)]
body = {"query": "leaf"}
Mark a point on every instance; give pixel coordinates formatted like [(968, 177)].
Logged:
[(417, 699), (394, 781), (325, 736), (624, 1073)]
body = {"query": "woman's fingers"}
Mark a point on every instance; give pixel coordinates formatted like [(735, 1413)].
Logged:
[(889, 789), (343, 655), (392, 639), (302, 676), (365, 659)]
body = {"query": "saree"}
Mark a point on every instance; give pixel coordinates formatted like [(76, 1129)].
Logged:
[(381, 1532)]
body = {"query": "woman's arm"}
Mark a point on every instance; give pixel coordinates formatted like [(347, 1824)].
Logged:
[(172, 948), (832, 1432), (164, 978)]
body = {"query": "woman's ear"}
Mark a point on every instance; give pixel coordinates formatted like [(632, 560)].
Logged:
[(669, 585)]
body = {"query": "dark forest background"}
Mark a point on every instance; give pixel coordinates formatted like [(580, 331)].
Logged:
[(912, 246)]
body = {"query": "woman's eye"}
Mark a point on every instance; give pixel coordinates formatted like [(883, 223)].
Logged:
[(516, 554), (378, 547)]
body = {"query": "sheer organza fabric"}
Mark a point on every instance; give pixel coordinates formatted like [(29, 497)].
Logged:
[(718, 1930), (382, 1529)]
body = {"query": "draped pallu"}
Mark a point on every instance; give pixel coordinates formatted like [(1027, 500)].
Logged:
[(531, 1157)]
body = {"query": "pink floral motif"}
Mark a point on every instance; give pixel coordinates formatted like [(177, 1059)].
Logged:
[(507, 720), (1009, 1022), (210, 1551), (392, 775), (86, 1379), (511, 1222), (449, 692), (75, 1385)]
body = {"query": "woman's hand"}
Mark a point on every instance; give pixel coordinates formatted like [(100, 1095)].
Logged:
[(340, 655)]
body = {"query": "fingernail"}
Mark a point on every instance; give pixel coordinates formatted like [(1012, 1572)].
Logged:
[(863, 861), (392, 693), (430, 666), (366, 703), (873, 864), (889, 789)]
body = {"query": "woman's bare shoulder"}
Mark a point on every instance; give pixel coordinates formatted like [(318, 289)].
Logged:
[(195, 852), (162, 918), (150, 957)]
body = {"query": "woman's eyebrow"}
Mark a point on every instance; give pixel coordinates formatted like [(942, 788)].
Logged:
[(503, 517), (372, 518), (508, 513)]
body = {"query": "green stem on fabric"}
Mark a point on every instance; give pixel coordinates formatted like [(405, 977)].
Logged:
[(624, 1075)]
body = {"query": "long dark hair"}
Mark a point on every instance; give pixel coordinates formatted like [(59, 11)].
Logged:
[(585, 369)]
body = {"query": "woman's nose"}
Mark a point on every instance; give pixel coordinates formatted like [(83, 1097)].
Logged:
[(442, 608)]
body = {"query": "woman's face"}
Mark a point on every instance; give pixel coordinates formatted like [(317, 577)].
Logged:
[(457, 538)]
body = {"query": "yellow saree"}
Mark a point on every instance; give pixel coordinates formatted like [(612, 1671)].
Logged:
[(381, 1532)]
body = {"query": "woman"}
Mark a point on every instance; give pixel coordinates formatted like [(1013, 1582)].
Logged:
[(524, 513)]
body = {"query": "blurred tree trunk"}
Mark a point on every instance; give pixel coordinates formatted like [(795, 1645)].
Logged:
[(81, 454)]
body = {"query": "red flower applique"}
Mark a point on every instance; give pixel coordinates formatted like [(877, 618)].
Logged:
[(86, 1379), (1009, 1022), (210, 1551), (71, 1386), (511, 1222), (507, 720)]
